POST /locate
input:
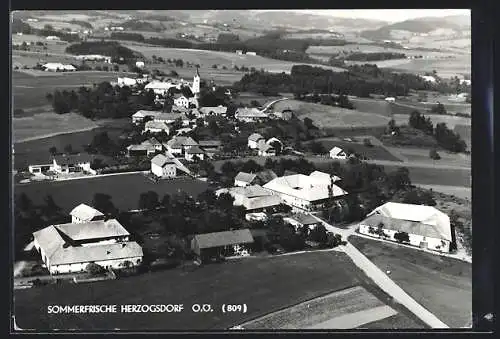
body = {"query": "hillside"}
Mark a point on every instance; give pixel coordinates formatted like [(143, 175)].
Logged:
[(447, 25)]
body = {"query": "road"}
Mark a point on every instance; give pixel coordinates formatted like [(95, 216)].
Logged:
[(382, 280)]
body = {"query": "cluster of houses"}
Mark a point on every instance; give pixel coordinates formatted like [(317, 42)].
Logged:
[(265, 148)]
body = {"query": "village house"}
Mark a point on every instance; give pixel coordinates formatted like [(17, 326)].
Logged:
[(139, 64), (218, 110), (244, 179), (251, 53), (58, 67), (250, 115), (254, 140), (417, 225), (194, 153), (254, 198), (65, 164), (156, 127), (163, 167), (307, 192), (146, 148), (286, 115), (69, 248), (337, 153), (210, 147), (158, 116), (84, 213), (301, 220), (210, 245), (181, 101), (125, 81), (179, 144), (429, 78)]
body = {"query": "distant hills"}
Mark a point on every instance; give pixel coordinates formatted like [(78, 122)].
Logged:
[(447, 25)]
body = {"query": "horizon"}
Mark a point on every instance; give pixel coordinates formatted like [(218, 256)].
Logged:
[(397, 15)]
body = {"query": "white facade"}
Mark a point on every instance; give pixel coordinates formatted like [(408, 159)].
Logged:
[(190, 156), (81, 267), (130, 82), (77, 167), (390, 99), (139, 64), (434, 244), (167, 171), (337, 153), (267, 152), (182, 101)]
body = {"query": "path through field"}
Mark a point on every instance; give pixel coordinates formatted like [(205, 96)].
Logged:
[(382, 280)]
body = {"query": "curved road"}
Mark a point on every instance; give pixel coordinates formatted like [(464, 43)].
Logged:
[(272, 103), (382, 280)]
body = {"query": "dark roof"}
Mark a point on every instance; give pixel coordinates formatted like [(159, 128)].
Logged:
[(73, 158), (218, 239), (266, 175), (209, 143), (305, 219), (245, 177), (161, 160), (194, 150)]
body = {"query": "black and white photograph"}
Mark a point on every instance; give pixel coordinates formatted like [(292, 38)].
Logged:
[(241, 170)]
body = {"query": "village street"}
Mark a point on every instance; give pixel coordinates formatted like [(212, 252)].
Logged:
[(382, 280)]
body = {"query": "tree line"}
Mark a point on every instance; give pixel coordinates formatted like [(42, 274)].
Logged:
[(119, 54)]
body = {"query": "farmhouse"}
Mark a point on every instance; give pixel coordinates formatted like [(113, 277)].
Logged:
[(160, 87), (250, 114), (209, 245), (58, 67), (429, 78), (254, 140), (163, 167), (218, 110), (156, 127), (139, 64), (179, 144), (254, 198), (210, 147), (72, 163), (69, 248), (307, 192), (417, 225), (244, 179), (168, 118), (146, 148), (337, 153), (302, 220), (390, 99), (84, 213), (286, 114), (194, 153), (181, 101), (125, 81)]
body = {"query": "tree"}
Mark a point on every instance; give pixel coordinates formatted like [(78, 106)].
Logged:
[(102, 202), (148, 201), (53, 150), (438, 109), (399, 179), (116, 68), (402, 237), (95, 269), (317, 147), (166, 201), (434, 155), (367, 142), (23, 202), (214, 66), (68, 149), (50, 208), (309, 123), (318, 234)]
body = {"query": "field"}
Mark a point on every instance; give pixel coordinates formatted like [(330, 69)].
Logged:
[(465, 132), (446, 68), (330, 116), (422, 156), (457, 191), (48, 123), (339, 310), (37, 151), (407, 108), (30, 91), (380, 107), (374, 152), (365, 48), (264, 284), (124, 196), (208, 58), (440, 284)]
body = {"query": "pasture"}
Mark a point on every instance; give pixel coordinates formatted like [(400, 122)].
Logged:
[(330, 116), (367, 48), (376, 106), (265, 285), (420, 155), (208, 58), (30, 91), (37, 150), (446, 68), (440, 284), (124, 189), (465, 132)]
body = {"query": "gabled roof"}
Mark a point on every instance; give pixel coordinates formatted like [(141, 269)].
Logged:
[(304, 187), (157, 125), (266, 175), (180, 141), (216, 110), (82, 254), (255, 137), (304, 219), (92, 230), (426, 215), (248, 191), (85, 212), (194, 150), (72, 158), (324, 176), (209, 143), (161, 160), (336, 150), (219, 239), (250, 113), (265, 147), (262, 202), (245, 177)]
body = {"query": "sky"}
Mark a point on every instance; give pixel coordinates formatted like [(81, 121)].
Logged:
[(391, 15)]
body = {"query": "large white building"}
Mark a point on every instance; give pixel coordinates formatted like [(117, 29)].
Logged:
[(254, 198), (58, 67), (306, 192), (156, 127), (69, 248), (426, 226), (157, 116), (254, 140), (163, 167), (65, 164)]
